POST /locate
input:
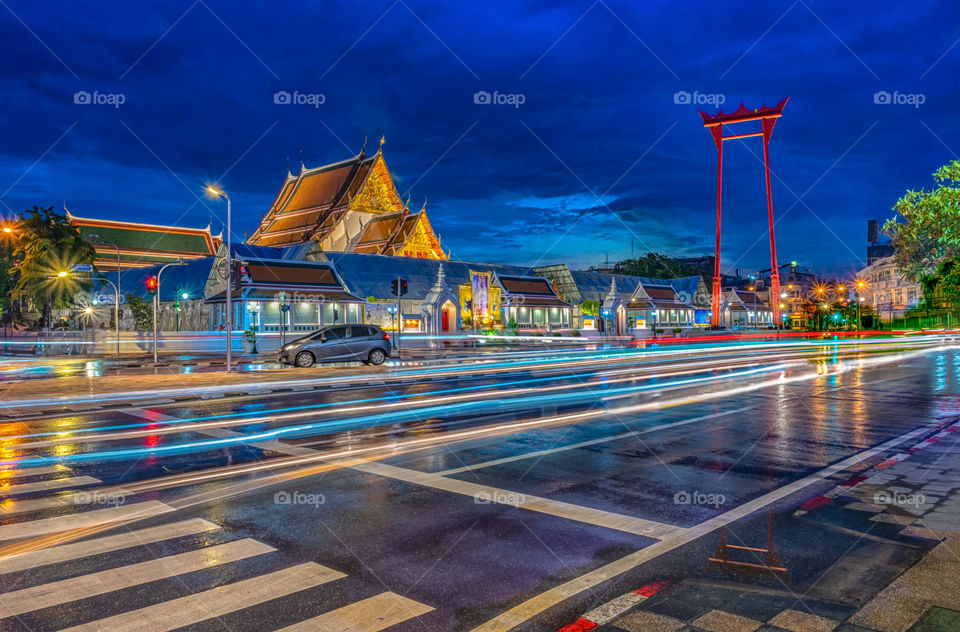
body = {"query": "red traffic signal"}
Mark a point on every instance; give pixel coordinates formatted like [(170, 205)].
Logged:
[(151, 284)]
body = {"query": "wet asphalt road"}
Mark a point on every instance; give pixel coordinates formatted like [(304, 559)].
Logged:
[(451, 503)]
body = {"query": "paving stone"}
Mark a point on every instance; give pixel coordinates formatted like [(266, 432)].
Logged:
[(643, 621), (938, 620), (890, 518), (718, 621), (797, 621), (849, 627)]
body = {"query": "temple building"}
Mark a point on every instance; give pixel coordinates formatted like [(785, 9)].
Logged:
[(348, 206), (142, 245)]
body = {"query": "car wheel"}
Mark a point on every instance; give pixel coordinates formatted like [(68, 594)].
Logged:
[(377, 356), (304, 359)]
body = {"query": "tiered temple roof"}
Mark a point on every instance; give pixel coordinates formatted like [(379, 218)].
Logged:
[(143, 245), (348, 206)]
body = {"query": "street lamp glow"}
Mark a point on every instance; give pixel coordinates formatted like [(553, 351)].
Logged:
[(7, 229), (185, 296), (62, 273), (87, 310), (214, 191)]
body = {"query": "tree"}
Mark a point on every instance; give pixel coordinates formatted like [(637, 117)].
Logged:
[(656, 265), (142, 312), (590, 306), (47, 243), (926, 228)]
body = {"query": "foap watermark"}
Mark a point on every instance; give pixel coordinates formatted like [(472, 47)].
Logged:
[(698, 498), (502, 498), (499, 98), (899, 98), (893, 498), (698, 98), (116, 99), (298, 498), (315, 99), (99, 498)]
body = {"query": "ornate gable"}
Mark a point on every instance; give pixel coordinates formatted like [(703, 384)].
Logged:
[(421, 242), (378, 193)]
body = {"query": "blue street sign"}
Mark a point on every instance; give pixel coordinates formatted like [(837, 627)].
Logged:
[(82, 267), (106, 299)]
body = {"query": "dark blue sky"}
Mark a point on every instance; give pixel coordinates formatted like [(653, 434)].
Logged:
[(599, 151)]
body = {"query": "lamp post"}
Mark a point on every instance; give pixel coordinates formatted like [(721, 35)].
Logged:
[(96, 239), (219, 193), (156, 305)]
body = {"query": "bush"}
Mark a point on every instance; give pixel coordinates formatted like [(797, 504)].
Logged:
[(557, 334), (658, 331), (677, 330), (575, 333)]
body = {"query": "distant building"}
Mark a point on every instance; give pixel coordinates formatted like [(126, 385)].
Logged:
[(703, 264), (742, 309), (887, 291)]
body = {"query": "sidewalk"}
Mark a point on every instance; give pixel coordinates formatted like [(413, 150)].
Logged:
[(901, 575)]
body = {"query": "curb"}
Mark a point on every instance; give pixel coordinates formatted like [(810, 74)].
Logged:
[(945, 428), (609, 611)]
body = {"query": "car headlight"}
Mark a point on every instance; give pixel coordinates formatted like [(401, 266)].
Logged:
[(288, 347)]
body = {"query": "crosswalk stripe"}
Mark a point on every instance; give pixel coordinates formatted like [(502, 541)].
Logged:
[(67, 552), (370, 615), (13, 507), (192, 609), (84, 586), (48, 485), (33, 471), (46, 526)]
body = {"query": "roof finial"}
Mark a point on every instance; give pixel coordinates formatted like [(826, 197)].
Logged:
[(303, 167), (364, 148), (383, 139)]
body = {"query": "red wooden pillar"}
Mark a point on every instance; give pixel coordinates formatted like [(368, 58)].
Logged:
[(768, 124), (715, 315)]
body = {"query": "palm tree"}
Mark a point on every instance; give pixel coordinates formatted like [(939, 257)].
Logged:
[(46, 245)]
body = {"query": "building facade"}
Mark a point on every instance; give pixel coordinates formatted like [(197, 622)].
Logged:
[(887, 291)]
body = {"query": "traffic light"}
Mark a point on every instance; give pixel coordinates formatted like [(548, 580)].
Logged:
[(151, 284), (398, 287)]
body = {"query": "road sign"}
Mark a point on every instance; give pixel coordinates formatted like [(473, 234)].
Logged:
[(106, 299), (82, 267)]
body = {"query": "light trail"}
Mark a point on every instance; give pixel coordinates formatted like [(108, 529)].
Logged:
[(606, 359), (399, 416), (395, 413)]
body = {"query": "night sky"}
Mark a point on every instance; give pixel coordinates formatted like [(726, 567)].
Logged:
[(598, 153)]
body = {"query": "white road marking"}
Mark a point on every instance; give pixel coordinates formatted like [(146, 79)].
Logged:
[(532, 607), (583, 444), (484, 493), (67, 552), (13, 507), (57, 524), (370, 615), (216, 602), (32, 471), (84, 586), (48, 485)]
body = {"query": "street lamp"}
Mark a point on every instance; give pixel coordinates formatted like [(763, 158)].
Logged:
[(96, 239), (156, 304), (219, 193), (63, 273)]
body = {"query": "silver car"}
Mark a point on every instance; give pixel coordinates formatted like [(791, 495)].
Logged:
[(340, 343)]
